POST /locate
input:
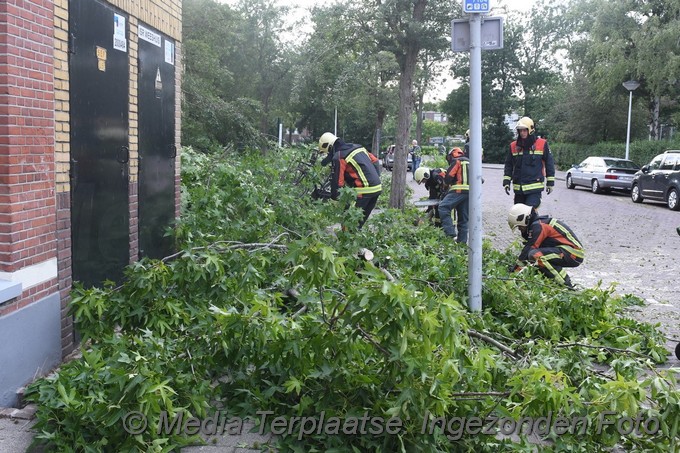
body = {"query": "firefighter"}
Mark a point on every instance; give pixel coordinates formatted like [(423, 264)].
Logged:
[(457, 197), (355, 167), (434, 183), (549, 243), (528, 165), (466, 149)]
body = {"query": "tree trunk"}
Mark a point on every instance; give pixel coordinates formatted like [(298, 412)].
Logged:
[(419, 116), (379, 120), (407, 64), (398, 193), (654, 123)]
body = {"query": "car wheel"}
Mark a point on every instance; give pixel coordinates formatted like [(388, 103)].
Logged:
[(635, 194), (673, 202), (595, 186), (570, 183)]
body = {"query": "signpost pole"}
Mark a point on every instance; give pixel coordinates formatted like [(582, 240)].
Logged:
[(475, 168)]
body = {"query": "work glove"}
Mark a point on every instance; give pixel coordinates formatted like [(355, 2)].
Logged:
[(515, 268), (507, 189), (548, 190)]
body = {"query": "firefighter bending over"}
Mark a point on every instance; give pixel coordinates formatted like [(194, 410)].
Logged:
[(355, 167), (549, 243)]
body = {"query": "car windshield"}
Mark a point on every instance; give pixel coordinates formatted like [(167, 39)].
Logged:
[(616, 163)]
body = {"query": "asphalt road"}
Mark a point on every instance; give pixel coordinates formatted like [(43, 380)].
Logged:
[(632, 246)]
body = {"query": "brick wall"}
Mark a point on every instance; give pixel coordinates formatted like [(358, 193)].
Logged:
[(133, 129), (62, 158), (27, 128), (163, 15), (178, 122)]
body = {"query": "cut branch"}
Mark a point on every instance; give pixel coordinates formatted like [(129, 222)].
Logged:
[(606, 348), (499, 345)]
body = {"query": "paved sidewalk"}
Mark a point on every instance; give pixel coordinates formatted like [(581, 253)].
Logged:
[(16, 436)]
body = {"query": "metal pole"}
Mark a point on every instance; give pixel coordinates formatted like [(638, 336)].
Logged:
[(280, 134), (630, 104), (335, 122), (475, 169)]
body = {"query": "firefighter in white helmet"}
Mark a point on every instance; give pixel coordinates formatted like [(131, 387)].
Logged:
[(434, 183), (549, 243), (529, 165), (353, 166)]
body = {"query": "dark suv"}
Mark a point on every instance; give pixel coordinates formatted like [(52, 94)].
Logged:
[(659, 180)]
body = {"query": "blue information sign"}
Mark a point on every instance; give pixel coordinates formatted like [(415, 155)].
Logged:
[(476, 6)]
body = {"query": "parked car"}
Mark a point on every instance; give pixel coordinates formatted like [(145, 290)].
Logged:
[(602, 174), (659, 180), (388, 159)]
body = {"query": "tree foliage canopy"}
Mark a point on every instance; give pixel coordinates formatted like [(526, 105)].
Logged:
[(373, 61)]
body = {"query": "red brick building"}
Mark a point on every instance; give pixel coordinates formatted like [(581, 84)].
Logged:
[(89, 172)]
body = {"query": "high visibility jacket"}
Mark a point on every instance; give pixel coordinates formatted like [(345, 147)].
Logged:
[(529, 169), (549, 232), (354, 166), (457, 175), (435, 183)]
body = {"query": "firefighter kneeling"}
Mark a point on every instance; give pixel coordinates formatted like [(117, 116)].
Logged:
[(549, 243), (434, 183)]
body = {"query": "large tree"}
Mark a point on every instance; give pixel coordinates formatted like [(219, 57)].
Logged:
[(632, 39), (404, 28), (345, 70), (212, 115)]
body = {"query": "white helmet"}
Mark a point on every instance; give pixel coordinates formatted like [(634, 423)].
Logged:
[(421, 174), (519, 216), (525, 123), (326, 141)]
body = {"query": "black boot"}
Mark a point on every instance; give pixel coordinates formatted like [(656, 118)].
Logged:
[(567, 283)]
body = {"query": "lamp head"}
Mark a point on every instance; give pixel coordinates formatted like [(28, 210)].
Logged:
[(631, 85)]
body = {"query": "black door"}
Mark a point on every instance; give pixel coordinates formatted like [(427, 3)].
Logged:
[(99, 77), (157, 151)]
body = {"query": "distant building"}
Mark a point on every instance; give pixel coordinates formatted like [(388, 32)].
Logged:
[(297, 137), (435, 116), (511, 120)]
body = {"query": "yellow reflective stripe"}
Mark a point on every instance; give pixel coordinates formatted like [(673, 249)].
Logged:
[(551, 178), (551, 256), (552, 270), (366, 190), (350, 159), (506, 178), (464, 165), (571, 250), (536, 185), (577, 252)]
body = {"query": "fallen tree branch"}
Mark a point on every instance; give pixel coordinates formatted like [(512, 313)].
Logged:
[(231, 245), (387, 274), (478, 395), (606, 348), (499, 345), (370, 339)]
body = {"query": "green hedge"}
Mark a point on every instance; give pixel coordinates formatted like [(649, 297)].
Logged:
[(641, 151)]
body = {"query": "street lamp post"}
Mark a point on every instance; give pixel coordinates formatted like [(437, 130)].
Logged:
[(630, 85)]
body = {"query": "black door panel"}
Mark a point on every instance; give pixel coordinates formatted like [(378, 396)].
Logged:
[(157, 150), (98, 71)]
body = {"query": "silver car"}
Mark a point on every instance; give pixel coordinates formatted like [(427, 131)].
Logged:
[(388, 159), (602, 174)]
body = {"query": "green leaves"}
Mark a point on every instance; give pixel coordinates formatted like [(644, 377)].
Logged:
[(283, 315)]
